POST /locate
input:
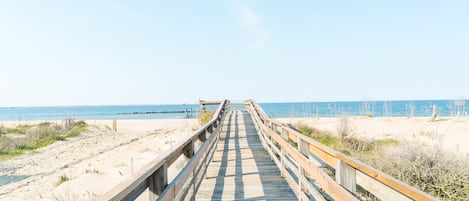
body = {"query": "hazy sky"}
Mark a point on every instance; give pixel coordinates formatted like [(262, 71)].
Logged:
[(156, 52)]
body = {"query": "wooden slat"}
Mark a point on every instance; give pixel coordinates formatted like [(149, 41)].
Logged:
[(390, 182), (329, 185), (346, 176), (241, 168), (312, 190), (380, 190)]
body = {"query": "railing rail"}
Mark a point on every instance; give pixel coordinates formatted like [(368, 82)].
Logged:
[(301, 159), (154, 176)]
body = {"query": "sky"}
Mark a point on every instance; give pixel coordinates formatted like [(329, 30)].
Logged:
[(112, 52)]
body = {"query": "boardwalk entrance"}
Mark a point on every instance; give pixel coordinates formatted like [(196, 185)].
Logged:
[(241, 169)]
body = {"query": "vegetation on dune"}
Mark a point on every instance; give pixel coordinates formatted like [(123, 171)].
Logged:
[(205, 117), (22, 138), (442, 174), (62, 179)]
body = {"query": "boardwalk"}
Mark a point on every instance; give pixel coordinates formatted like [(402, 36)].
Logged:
[(241, 169), (227, 161)]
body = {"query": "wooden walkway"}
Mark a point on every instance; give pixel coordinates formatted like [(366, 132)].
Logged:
[(241, 169)]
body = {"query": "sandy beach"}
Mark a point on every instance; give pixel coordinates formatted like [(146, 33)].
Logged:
[(99, 159), (452, 132), (93, 162)]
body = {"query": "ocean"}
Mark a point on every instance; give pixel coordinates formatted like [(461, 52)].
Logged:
[(277, 110)]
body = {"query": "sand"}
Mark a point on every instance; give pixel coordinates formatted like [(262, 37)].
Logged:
[(451, 132), (94, 161), (99, 159)]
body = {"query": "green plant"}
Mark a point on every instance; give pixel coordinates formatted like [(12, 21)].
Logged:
[(62, 179), (205, 117), (58, 137), (20, 129), (80, 123), (38, 136), (76, 130), (22, 147), (44, 124)]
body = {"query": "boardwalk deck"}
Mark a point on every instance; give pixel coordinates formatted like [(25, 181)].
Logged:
[(241, 169)]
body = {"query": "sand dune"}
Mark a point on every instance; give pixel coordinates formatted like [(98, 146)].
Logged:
[(93, 162)]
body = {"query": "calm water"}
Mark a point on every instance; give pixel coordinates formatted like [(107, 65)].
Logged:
[(299, 109)]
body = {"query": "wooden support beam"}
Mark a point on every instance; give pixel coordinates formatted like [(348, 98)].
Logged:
[(303, 147), (346, 176), (284, 134), (158, 182), (188, 150), (203, 136)]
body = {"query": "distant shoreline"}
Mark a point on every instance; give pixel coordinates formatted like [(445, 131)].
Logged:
[(401, 108)]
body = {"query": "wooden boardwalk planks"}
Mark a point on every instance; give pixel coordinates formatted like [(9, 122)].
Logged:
[(241, 169)]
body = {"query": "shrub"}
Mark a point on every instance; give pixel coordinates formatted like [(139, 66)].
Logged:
[(427, 167), (344, 129), (62, 179), (205, 117), (20, 129), (58, 138), (44, 124), (442, 174)]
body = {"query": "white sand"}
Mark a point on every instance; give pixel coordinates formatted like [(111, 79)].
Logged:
[(452, 132), (94, 161)]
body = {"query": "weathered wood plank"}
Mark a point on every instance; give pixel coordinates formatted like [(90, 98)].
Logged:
[(346, 176), (380, 190), (241, 168), (334, 189)]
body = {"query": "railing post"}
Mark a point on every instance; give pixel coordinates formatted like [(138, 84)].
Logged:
[(303, 147), (283, 153), (346, 176), (284, 134), (283, 160), (188, 150), (301, 173), (158, 182), (203, 136)]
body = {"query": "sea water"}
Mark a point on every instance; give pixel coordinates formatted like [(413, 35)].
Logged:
[(293, 109)]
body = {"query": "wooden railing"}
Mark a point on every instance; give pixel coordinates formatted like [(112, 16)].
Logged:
[(302, 162), (198, 148)]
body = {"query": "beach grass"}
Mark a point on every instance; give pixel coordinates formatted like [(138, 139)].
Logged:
[(25, 138), (62, 179), (205, 117), (442, 174)]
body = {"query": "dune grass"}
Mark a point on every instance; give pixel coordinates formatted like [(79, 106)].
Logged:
[(205, 117), (429, 168), (25, 138), (62, 179)]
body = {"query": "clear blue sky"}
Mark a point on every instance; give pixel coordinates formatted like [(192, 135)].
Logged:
[(156, 52)]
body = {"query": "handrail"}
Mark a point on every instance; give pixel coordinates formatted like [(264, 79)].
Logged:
[(306, 157), (154, 176)]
